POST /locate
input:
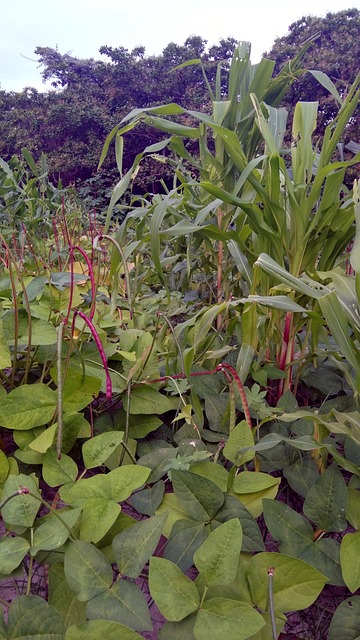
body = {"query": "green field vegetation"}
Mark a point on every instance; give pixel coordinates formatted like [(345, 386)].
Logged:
[(180, 370)]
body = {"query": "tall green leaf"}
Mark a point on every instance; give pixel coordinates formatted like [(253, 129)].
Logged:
[(174, 593)]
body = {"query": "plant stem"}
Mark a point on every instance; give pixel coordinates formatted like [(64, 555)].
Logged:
[(19, 492), (240, 386), (126, 269), (59, 391), (271, 572), (54, 511), (178, 346), (100, 349), (203, 596), (127, 424), (220, 257), (129, 452), (31, 562)]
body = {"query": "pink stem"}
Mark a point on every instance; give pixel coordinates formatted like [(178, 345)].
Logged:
[(95, 335)]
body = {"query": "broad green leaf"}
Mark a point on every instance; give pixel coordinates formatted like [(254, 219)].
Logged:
[(148, 500), (52, 533), (78, 391), (125, 480), (253, 481), (200, 497), (141, 426), (97, 450), (35, 288), (44, 441), (63, 599), (31, 618), (22, 509), (293, 533), (345, 623), (117, 485), (74, 426), (123, 602), (218, 557), (175, 595), (325, 503), (186, 537), (29, 457), (251, 535), (302, 475), (265, 632), (241, 436), (28, 406), (145, 400), (295, 537), (254, 501), (350, 560), (223, 618), (121, 523), (99, 514), (353, 508), (175, 511), (183, 630), (42, 332), (133, 547), (158, 460), (296, 584), (214, 472), (12, 552), (5, 357), (324, 555), (215, 408), (4, 466), (96, 629), (87, 571), (57, 472)]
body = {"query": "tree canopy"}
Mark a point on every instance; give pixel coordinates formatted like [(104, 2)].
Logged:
[(89, 97), (335, 50)]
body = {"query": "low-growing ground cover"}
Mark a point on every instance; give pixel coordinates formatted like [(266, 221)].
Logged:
[(179, 399)]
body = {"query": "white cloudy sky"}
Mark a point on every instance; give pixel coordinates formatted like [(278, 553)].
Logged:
[(82, 26)]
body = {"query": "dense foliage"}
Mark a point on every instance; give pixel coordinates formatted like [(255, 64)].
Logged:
[(179, 392), (70, 123), (334, 50)]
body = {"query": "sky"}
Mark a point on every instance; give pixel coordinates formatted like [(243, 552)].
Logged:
[(81, 27)]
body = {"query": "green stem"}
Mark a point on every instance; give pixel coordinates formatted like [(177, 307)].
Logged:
[(222, 367), (56, 514), (178, 346), (271, 572), (203, 597), (129, 452), (28, 586), (126, 269), (127, 424), (19, 492)]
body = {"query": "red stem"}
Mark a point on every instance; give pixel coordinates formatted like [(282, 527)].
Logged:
[(95, 335)]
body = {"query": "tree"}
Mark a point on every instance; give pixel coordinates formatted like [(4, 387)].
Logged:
[(70, 122), (335, 50)]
